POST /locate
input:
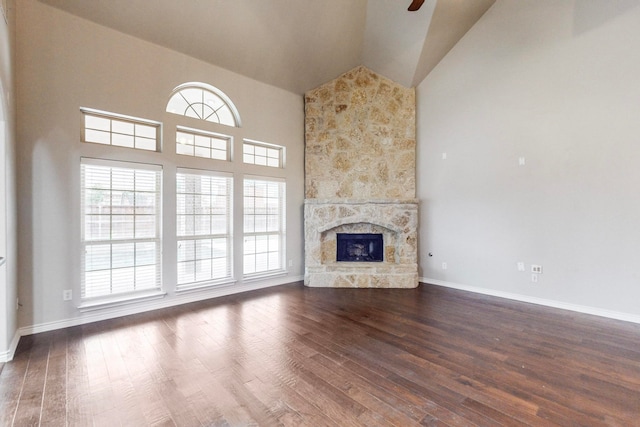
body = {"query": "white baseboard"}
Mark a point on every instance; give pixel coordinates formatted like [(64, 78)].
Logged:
[(7, 355), (179, 299), (627, 317)]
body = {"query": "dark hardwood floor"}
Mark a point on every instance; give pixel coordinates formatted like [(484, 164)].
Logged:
[(296, 356)]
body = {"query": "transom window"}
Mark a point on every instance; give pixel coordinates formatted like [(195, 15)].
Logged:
[(204, 102), (121, 228), (101, 127), (204, 224), (191, 142), (263, 154)]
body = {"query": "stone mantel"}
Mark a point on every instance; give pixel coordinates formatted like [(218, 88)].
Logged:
[(364, 207), (360, 201)]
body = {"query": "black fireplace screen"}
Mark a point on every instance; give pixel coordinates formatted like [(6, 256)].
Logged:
[(359, 247)]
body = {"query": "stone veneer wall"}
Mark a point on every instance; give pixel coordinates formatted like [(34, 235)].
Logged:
[(360, 178), (360, 138)]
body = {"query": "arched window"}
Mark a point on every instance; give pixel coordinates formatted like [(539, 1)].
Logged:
[(204, 102)]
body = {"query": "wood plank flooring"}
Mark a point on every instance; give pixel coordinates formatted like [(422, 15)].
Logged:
[(296, 356)]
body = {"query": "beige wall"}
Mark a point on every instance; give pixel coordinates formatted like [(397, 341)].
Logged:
[(65, 63), (360, 138), (556, 83)]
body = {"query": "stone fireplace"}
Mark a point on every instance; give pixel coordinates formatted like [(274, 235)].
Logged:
[(395, 220), (360, 182)]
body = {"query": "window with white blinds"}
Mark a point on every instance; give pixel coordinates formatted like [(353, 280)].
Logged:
[(121, 218), (264, 226), (204, 227)]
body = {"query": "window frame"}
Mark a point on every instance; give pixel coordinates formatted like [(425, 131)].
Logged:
[(266, 146), (280, 232), (228, 151), (204, 88), (120, 118), (228, 235), (111, 298)]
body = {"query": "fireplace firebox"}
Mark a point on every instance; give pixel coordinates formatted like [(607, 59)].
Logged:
[(359, 247)]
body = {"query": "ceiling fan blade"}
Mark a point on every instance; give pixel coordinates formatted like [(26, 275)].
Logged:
[(415, 5)]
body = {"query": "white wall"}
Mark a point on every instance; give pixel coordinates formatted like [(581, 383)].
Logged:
[(8, 228), (555, 82), (65, 63)]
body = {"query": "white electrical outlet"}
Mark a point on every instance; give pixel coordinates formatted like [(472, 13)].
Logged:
[(534, 278), (537, 269), (521, 161), (521, 266), (444, 265), (444, 156), (67, 295)]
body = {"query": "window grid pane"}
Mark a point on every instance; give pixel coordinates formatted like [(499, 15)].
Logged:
[(255, 153), (121, 230), (121, 132), (208, 146), (264, 226), (203, 209), (202, 104)]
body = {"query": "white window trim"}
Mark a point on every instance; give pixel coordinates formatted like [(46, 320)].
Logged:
[(217, 135), (203, 286), (120, 300), (107, 301), (207, 87), (122, 164), (207, 284), (281, 149), (122, 117), (282, 233)]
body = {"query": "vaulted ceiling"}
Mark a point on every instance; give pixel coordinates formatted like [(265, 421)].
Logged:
[(295, 44)]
